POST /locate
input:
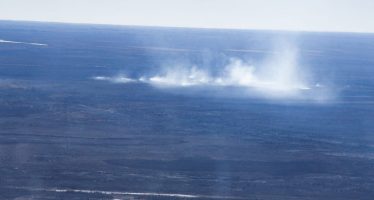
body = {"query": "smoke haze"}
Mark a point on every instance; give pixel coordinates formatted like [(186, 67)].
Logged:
[(278, 76)]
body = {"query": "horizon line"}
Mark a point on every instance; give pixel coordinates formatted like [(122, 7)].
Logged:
[(185, 27)]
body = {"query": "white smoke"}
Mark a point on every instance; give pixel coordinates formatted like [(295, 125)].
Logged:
[(278, 76), (181, 77), (116, 79)]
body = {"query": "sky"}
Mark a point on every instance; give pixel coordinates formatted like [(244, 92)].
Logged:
[(299, 15)]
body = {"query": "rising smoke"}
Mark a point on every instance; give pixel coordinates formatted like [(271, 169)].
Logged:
[(279, 76)]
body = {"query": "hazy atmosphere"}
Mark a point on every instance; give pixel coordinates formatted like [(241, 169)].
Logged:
[(307, 15)]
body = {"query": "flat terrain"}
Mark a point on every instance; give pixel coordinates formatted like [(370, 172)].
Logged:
[(65, 135)]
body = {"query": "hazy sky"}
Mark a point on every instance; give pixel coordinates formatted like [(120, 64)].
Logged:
[(314, 15)]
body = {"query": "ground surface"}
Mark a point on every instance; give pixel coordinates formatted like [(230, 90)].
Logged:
[(64, 135)]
